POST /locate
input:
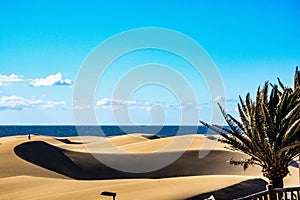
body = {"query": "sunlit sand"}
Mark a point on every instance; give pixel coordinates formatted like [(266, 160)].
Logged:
[(61, 168)]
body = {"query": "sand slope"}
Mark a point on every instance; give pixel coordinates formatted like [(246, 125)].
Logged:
[(79, 165), (61, 168), (13, 165), (25, 187)]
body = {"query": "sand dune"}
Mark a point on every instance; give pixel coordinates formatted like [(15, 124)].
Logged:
[(79, 165), (13, 165), (61, 168)]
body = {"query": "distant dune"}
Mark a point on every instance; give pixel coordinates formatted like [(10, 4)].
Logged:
[(62, 168)]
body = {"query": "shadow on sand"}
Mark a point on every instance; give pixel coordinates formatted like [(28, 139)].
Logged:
[(84, 166), (235, 191)]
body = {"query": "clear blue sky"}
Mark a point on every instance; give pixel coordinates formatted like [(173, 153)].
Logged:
[(250, 42)]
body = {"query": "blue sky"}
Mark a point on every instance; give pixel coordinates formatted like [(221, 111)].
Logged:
[(43, 45)]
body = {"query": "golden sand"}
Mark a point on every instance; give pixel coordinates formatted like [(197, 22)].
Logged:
[(51, 168)]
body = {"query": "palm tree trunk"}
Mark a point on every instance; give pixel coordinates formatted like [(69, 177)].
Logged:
[(277, 183)]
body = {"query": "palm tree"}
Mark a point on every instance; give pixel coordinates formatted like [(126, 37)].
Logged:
[(297, 85), (268, 132)]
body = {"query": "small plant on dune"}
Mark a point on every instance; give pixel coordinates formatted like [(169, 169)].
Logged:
[(268, 130)]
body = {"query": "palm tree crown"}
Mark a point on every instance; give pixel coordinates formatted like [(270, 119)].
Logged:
[(268, 130)]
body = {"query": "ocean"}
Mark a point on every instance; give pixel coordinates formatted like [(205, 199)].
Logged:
[(66, 131)]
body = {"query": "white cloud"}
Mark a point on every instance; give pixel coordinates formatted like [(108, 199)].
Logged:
[(53, 104), (116, 104), (123, 102), (107, 103), (219, 99), (17, 103), (51, 80), (187, 105), (222, 99), (35, 101), (102, 102), (6, 80), (82, 107)]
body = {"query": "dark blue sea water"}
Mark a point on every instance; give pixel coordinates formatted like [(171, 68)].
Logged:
[(65, 131)]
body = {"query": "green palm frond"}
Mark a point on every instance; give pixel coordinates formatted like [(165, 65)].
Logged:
[(269, 126)]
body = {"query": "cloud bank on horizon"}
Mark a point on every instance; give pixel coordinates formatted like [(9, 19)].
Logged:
[(7, 79), (119, 104), (18, 103)]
